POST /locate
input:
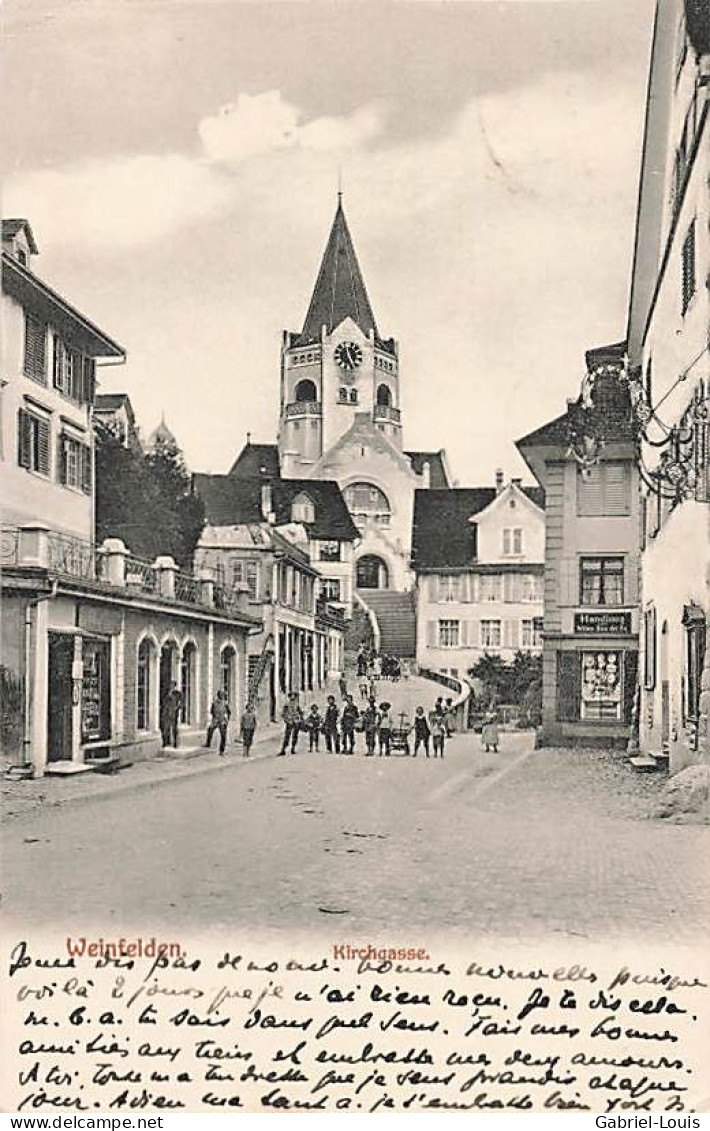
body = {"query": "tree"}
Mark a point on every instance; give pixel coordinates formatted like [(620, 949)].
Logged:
[(491, 672), (145, 499), (508, 683)]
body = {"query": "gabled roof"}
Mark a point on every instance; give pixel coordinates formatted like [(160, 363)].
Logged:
[(33, 294), (10, 228), (231, 500), (443, 537), (257, 461), (340, 290), (438, 476)]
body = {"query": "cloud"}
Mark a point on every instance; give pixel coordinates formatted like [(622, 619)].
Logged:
[(116, 203), (265, 122)]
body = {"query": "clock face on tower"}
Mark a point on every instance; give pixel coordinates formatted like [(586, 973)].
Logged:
[(348, 355)]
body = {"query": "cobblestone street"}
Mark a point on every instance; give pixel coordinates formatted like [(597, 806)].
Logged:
[(520, 844)]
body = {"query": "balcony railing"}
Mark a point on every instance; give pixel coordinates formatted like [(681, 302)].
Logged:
[(386, 412), (73, 557), (304, 408), (141, 575), (34, 546)]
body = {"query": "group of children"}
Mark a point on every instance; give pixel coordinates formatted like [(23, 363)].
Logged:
[(371, 665), (374, 722)]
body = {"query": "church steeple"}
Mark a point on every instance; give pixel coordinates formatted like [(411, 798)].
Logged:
[(340, 290)]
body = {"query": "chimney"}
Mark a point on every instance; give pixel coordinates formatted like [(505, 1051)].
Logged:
[(500, 479), (426, 473), (267, 508), (517, 483)]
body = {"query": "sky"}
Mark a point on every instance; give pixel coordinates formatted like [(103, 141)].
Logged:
[(179, 162)]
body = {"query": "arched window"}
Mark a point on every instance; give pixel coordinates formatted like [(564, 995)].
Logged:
[(384, 395), (365, 501), (188, 683), (306, 391), (144, 680), (302, 509), (353, 396), (227, 673)]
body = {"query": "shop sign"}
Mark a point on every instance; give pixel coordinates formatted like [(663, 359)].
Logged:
[(606, 623)]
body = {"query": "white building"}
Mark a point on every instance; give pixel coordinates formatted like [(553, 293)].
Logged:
[(479, 558), (669, 370)]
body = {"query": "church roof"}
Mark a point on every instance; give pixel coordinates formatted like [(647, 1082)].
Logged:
[(442, 535), (232, 500), (260, 461), (438, 476), (340, 290), (161, 435)]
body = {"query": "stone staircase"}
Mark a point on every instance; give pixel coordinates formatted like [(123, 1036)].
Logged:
[(397, 619)]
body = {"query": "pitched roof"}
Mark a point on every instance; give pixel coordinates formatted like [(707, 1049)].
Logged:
[(442, 535), (257, 461), (107, 402), (231, 500), (340, 288), (10, 228), (34, 294), (437, 469)]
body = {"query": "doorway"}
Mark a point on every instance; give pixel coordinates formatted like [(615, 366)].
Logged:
[(60, 706), (371, 573), (168, 654)]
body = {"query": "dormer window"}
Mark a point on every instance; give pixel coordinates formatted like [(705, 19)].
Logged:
[(303, 510), (22, 256)]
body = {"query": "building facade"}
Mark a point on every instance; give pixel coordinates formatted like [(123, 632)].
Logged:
[(49, 353), (91, 638), (669, 374), (478, 554), (586, 462)]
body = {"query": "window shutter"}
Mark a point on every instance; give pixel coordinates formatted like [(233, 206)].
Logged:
[(24, 438), (589, 491), (62, 459), (433, 589), (617, 488), (86, 469), (508, 587), (463, 634), (35, 347), (510, 631), (431, 634), (473, 588), (631, 579), (89, 379), (43, 452), (569, 686)]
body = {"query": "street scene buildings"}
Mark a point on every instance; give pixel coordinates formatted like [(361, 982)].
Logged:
[(539, 624)]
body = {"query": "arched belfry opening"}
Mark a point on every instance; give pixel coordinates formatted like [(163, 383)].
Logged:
[(306, 391), (384, 395)]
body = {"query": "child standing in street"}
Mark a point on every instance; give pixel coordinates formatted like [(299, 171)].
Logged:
[(314, 722), (421, 732), (247, 727), (385, 728), (437, 724)]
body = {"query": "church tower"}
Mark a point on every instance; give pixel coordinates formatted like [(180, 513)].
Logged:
[(338, 367)]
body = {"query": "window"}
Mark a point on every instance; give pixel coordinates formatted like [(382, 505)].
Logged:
[(367, 502), (306, 391), (604, 489), (490, 633), (75, 464), (143, 679), (72, 372), (448, 634), (491, 587), (343, 395), (512, 540), (329, 551), (449, 587), (246, 572), (649, 648), (688, 268), (35, 348), (187, 683), (353, 396), (330, 588), (601, 581), (384, 396), (303, 510), (22, 257), (695, 630), (531, 633), (33, 442), (227, 663), (601, 686)]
